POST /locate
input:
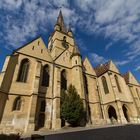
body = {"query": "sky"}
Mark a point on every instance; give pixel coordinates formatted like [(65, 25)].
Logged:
[(103, 29)]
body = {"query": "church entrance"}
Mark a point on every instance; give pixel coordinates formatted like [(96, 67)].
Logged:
[(125, 111), (112, 114)]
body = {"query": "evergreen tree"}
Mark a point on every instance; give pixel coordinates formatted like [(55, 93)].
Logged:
[(72, 109)]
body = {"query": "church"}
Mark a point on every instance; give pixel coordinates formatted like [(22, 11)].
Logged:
[(34, 75)]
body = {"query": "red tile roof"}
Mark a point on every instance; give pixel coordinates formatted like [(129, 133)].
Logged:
[(126, 77), (102, 68)]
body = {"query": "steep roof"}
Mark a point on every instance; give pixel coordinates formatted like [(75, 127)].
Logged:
[(35, 48), (102, 68), (88, 67), (130, 79), (60, 22), (126, 77)]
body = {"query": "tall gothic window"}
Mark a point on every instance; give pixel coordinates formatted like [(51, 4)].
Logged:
[(86, 84), (45, 76), (117, 83), (63, 80), (42, 106), (137, 91), (104, 82), (23, 70), (17, 103)]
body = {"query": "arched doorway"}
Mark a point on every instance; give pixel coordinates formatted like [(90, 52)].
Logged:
[(112, 114), (126, 114)]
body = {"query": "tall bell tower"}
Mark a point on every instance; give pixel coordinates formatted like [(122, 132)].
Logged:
[(60, 39)]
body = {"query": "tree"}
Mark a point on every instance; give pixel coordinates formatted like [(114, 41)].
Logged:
[(72, 109)]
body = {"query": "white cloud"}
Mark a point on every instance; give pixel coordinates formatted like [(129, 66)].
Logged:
[(81, 45), (97, 59), (134, 50), (108, 46), (11, 4), (115, 19), (121, 63), (35, 17), (137, 68)]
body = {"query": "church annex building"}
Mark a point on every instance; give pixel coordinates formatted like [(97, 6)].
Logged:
[(34, 75)]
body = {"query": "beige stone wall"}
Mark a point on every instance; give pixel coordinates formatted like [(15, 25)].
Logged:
[(8, 71), (2, 73), (93, 100), (110, 97), (134, 90), (117, 99), (16, 119), (3, 98)]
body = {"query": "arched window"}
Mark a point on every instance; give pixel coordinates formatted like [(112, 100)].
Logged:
[(117, 83), (137, 91), (86, 84), (112, 113), (17, 103), (64, 38), (42, 106), (63, 80), (45, 76), (23, 70), (126, 113), (104, 82)]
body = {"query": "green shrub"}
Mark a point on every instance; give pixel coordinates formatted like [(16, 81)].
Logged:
[(72, 109)]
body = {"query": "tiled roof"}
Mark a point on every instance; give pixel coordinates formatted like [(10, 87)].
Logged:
[(126, 77), (102, 68)]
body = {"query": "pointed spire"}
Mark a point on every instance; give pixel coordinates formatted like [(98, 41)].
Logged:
[(70, 32), (75, 51), (60, 22)]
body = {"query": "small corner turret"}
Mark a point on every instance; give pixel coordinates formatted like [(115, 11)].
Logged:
[(70, 32), (76, 51), (76, 56)]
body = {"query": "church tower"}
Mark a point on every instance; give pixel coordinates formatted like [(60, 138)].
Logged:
[(67, 65), (61, 38)]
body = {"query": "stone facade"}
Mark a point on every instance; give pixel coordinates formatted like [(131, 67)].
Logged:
[(33, 76)]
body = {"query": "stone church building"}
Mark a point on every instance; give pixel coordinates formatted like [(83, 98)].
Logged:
[(34, 75)]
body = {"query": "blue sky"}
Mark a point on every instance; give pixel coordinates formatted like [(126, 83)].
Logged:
[(103, 29)]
